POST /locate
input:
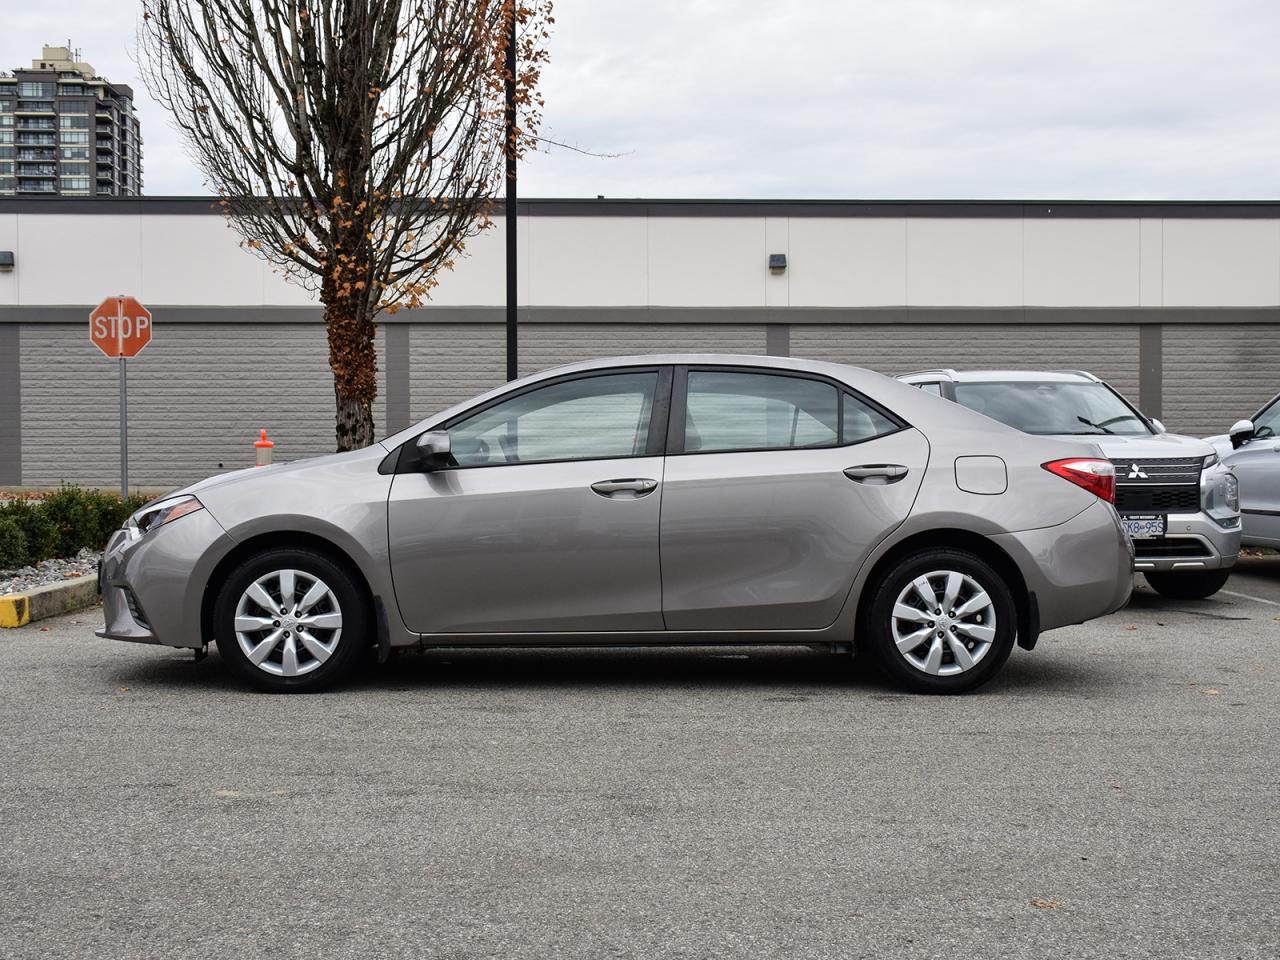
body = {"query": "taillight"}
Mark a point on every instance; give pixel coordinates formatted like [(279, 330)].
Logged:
[(1096, 476)]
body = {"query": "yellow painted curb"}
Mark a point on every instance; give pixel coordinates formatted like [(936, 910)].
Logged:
[(19, 609), (15, 610)]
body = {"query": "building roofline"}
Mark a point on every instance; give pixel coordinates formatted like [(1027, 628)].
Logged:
[(633, 207)]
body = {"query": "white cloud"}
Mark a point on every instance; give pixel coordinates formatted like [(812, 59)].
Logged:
[(897, 98)]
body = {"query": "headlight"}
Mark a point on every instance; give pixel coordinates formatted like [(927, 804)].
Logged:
[(1210, 460), (157, 514), (1232, 494)]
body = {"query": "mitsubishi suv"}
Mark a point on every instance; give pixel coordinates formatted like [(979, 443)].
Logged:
[(1176, 499)]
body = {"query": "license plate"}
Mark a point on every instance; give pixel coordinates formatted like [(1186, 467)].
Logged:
[(1144, 528)]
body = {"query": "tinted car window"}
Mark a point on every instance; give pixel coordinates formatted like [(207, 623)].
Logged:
[(754, 411), (592, 418), (1052, 408), (934, 388), (861, 422)]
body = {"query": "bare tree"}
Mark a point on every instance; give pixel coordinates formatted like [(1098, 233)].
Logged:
[(355, 144)]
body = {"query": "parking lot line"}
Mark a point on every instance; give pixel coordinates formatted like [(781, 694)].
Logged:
[(1249, 596)]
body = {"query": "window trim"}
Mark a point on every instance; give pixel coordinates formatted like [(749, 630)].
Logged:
[(405, 458), (680, 397)]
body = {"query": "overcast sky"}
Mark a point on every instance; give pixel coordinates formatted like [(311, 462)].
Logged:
[(846, 98)]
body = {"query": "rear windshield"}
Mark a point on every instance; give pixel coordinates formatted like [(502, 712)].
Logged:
[(1082, 409)]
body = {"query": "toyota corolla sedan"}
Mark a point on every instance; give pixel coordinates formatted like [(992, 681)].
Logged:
[(642, 500)]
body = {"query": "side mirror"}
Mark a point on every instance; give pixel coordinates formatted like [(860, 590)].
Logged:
[(1160, 427), (433, 447), (1241, 432)]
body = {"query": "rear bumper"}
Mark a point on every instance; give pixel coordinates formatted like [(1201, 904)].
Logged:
[(1194, 542), (1077, 570), (153, 587)]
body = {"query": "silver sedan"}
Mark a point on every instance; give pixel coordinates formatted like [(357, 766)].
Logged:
[(662, 499)]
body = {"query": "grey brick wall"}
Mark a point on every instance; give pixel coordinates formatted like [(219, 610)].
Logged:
[(197, 397), (1216, 374), (1110, 352)]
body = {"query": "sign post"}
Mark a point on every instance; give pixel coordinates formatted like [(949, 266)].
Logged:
[(120, 327)]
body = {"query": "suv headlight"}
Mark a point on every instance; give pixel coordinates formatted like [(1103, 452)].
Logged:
[(1210, 460), (1231, 493), (157, 514)]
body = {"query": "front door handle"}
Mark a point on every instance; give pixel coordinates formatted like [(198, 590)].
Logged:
[(640, 487), (886, 472)]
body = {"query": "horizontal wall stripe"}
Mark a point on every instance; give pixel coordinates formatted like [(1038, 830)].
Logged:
[(79, 313), (606, 207)]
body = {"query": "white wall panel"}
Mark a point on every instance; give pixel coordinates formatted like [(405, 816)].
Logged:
[(9, 241), (959, 261), (195, 260), (848, 262), (1225, 263), (1151, 263), (707, 262), (1081, 263), (587, 261), (73, 258)]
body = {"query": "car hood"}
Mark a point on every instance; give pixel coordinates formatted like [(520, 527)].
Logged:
[(1161, 446), (252, 474)]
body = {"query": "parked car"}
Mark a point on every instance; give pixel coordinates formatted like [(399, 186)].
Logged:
[(1178, 501), (1252, 449), (646, 500)]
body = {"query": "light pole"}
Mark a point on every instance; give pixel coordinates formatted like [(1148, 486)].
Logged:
[(513, 364)]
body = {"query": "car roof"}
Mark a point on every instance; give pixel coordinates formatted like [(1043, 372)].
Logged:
[(836, 370), (1000, 376)]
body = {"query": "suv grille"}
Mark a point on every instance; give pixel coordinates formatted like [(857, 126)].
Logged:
[(1170, 485)]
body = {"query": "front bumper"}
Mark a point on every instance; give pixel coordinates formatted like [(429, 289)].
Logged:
[(1194, 541), (153, 587)]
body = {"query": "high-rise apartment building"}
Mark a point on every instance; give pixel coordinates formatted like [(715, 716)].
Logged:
[(65, 130)]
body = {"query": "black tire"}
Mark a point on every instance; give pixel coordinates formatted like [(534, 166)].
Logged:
[(1188, 585), (877, 629), (352, 641)]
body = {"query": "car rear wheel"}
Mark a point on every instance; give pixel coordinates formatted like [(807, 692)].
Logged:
[(1191, 585), (291, 621), (941, 621)]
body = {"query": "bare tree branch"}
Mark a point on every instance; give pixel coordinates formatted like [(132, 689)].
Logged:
[(356, 145)]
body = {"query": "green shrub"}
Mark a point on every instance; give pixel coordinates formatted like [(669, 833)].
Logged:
[(39, 531), (74, 514), (13, 545)]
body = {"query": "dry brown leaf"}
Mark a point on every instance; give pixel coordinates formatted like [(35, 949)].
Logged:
[(1046, 904), (1211, 693)]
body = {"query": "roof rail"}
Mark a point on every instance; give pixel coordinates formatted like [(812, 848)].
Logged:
[(947, 372), (1082, 373)]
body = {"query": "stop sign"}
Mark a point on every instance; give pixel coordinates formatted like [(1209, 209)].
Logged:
[(120, 326)]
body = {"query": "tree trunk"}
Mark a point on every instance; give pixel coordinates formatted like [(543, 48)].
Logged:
[(354, 362)]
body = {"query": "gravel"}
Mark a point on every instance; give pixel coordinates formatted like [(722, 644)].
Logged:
[(49, 571)]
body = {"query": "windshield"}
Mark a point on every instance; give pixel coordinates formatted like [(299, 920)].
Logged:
[(1082, 409), (1267, 423)]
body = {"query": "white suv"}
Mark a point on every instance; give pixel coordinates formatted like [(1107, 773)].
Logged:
[(1178, 502)]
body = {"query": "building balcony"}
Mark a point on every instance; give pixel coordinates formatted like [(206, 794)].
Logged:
[(37, 186), (37, 169)]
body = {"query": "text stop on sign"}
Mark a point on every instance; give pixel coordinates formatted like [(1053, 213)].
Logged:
[(120, 326)]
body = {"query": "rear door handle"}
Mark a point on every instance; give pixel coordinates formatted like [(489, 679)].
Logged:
[(888, 472), (640, 487)]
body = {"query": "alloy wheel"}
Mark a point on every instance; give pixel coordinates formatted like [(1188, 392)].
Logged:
[(943, 623), (288, 623)]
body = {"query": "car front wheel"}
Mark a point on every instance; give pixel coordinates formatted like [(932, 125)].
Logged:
[(291, 621), (1191, 585), (941, 621)]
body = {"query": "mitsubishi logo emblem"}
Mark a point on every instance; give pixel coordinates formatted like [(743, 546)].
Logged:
[(1135, 473)]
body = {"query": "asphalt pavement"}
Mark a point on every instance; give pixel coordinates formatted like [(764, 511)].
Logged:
[(1112, 794)]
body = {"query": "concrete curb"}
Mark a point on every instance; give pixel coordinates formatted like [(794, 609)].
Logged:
[(18, 609)]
